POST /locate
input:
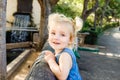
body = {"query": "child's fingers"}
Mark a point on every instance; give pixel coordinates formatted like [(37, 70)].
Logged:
[(48, 53)]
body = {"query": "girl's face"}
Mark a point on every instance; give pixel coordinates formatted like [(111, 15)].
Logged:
[(59, 36)]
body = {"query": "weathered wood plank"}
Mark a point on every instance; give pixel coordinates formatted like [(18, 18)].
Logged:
[(17, 62), (18, 45)]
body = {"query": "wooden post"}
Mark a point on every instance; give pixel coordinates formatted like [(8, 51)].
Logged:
[(2, 40)]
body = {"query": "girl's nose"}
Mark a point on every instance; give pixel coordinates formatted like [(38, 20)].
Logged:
[(56, 36)]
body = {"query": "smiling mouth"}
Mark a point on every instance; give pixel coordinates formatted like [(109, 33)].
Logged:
[(56, 43)]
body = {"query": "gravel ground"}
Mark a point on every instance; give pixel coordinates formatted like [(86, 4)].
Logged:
[(98, 67)]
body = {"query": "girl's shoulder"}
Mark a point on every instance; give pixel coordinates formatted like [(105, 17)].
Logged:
[(69, 51)]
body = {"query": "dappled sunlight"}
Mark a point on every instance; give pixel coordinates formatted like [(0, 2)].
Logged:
[(109, 54), (20, 77), (116, 35), (111, 40)]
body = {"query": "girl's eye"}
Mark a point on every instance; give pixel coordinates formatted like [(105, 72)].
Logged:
[(53, 33), (63, 35)]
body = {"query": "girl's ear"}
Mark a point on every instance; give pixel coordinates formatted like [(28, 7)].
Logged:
[(71, 39), (71, 42)]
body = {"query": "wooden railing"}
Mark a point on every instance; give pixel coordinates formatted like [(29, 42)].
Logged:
[(18, 45)]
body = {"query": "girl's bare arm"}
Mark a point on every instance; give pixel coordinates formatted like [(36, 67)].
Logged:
[(61, 71)]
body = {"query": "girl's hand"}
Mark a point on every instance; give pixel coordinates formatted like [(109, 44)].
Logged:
[(49, 56)]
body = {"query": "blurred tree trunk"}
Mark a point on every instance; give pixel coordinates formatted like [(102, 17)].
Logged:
[(103, 11), (86, 12), (46, 6), (53, 2), (2, 40), (95, 20)]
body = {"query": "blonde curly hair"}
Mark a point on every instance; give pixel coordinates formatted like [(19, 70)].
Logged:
[(76, 24)]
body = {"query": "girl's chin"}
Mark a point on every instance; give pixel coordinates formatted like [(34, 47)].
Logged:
[(57, 48)]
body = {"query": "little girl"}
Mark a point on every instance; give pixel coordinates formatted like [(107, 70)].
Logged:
[(61, 35)]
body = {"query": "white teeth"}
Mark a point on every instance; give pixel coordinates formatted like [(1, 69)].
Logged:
[(55, 43)]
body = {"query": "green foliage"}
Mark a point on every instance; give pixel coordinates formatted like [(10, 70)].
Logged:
[(114, 5), (64, 9), (98, 29), (87, 26), (70, 8), (110, 25)]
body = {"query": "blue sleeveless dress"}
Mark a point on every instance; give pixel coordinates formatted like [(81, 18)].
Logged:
[(74, 71)]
